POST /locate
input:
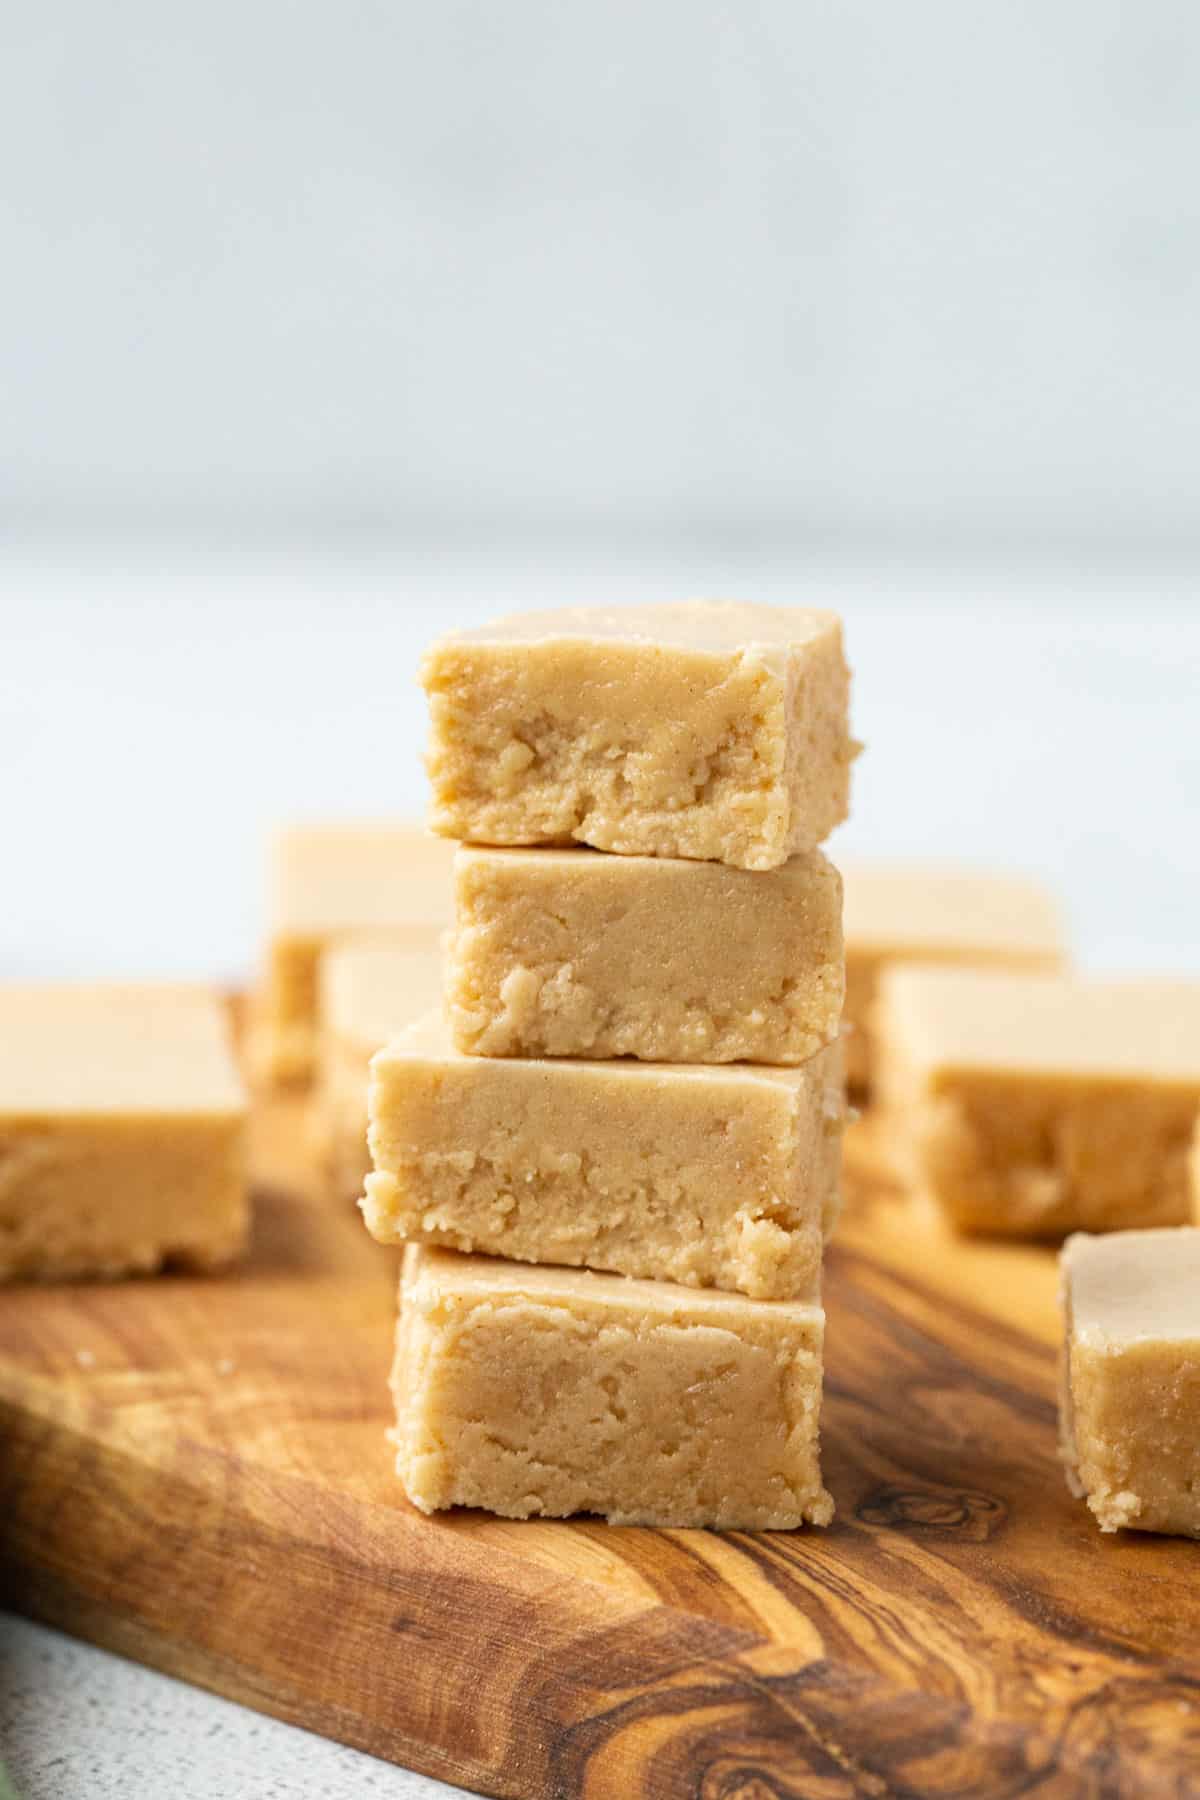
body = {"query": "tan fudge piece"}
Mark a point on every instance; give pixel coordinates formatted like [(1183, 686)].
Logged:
[(921, 912), (719, 1176), (570, 953), (369, 992), (1030, 1106), (1130, 1378), (556, 1391), (711, 730), (122, 1132), (384, 883)]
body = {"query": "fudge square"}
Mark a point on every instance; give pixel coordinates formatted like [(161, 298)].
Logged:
[(1129, 1410), (555, 1391), (369, 992), (122, 1132), (715, 1176), (923, 912), (572, 953), (388, 883), (713, 730), (1035, 1105)]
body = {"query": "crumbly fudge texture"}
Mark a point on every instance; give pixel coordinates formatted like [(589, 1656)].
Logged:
[(571, 953), (382, 883), (922, 912), (369, 993), (714, 1176), (713, 730), (1130, 1378), (1031, 1106), (557, 1391), (122, 1132)]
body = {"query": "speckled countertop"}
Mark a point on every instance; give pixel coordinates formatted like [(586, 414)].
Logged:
[(78, 1724)]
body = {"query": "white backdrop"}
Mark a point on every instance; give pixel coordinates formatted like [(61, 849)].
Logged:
[(783, 267)]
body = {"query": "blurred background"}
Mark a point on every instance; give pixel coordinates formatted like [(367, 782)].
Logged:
[(324, 329)]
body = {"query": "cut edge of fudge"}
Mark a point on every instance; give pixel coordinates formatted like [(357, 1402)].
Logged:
[(745, 1210), (759, 770), (571, 952)]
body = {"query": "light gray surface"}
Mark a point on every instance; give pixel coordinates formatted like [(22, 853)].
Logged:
[(856, 266), (78, 1724)]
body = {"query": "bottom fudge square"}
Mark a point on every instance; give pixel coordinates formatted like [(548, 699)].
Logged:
[(529, 1390), (122, 1132), (1130, 1377)]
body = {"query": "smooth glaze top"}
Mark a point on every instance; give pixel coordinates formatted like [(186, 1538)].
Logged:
[(132, 1050), (452, 1273), (712, 626), (428, 1040), (1134, 1284), (911, 908), (579, 860), (1046, 1025)]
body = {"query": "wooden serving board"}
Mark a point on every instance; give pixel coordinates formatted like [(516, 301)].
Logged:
[(194, 1472)]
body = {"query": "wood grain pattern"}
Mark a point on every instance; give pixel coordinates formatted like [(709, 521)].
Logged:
[(193, 1472)]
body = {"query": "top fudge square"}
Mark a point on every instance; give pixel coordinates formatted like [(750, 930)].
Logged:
[(712, 730)]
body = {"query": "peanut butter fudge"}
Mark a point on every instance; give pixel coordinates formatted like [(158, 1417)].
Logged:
[(1130, 1378), (1034, 1105), (556, 1391), (713, 730), (571, 953), (921, 912), (122, 1132), (386, 883), (369, 992), (722, 1176)]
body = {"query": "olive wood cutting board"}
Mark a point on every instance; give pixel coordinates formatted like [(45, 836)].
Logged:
[(193, 1472)]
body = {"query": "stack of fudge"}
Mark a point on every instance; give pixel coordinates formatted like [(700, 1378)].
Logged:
[(614, 1154)]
